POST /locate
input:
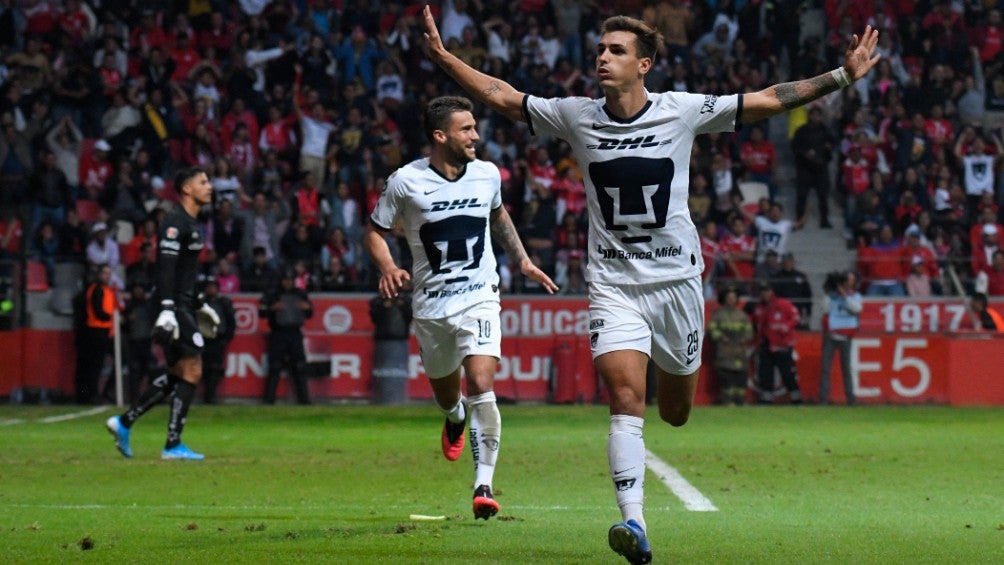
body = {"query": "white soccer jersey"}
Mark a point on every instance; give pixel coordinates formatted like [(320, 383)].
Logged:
[(447, 226), (771, 236), (637, 176), (978, 174)]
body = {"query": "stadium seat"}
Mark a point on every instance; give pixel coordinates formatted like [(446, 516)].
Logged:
[(752, 192), (36, 280), (124, 231), (61, 301), (69, 274), (88, 210)]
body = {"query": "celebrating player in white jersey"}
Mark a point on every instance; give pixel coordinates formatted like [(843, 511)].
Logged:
[(450, 206), (644, 254)]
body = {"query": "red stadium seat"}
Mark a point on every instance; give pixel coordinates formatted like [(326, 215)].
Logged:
[(37, 281), (88, 210)]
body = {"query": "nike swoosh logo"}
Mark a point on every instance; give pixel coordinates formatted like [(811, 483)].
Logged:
[(623, 471), (483, 342), (689, 360), (600, 126), (428, 192)]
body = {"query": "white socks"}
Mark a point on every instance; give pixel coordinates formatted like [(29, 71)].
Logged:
[(626, 454), (457, 413), (485, 432)]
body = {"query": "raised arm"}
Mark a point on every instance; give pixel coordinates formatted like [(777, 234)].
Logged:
[(494, 92), (504, 232), (773, 100)]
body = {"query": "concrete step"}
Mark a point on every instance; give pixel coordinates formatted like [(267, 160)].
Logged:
[(817, 251)]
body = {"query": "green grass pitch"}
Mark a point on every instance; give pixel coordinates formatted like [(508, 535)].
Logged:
[(337, 484)]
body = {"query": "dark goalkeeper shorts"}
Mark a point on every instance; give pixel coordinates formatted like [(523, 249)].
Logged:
[(189, 343)]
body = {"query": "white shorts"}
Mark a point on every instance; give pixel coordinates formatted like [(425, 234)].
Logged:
[(663, 320), (445, 342)]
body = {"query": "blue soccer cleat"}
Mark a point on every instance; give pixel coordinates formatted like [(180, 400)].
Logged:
[(121, 435), (629, 540), (181, 451)]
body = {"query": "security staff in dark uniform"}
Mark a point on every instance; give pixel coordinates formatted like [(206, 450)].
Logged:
[(215, 351), (95, 343), (287, 308), (179, 244), (391, 327), (139, 317)]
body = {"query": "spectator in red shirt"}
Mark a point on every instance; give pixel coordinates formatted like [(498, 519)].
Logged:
[(914, 250), (185, 57), (10, 233), (95, 169), (988, 216), (759, 156), (201, 148), (946, 30), (881, 265), (738, 249), (542, 172), (278, 135), (569, 193), (241, 153), (907, 210), (147, 234), (76, 22), (989, 36), (219, 35), (308, 206), (775, 319), (110, 76), (982, 255), (939, 128), (992, 277), (374, 188), (857, 179), (711, 251), (238, 114), (148, 34), (569, 235)]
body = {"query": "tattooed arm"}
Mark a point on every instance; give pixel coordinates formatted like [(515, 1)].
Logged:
[(494, 92), (858, 60), (504, 232)]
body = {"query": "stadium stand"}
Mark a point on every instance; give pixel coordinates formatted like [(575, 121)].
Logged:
[(123, 93)]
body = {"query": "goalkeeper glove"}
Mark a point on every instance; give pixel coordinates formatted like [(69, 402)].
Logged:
[(165, 329), (208, 319)]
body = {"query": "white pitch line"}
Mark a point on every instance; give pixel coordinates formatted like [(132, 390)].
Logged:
[(688, 493), (73, 415), (11, 422)]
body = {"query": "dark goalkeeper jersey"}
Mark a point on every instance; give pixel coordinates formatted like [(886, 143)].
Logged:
[(179, 246)]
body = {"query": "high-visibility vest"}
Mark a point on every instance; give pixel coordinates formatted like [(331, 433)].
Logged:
[(107, 307), (997, 318)]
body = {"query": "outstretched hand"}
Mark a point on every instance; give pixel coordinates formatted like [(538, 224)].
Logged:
[(530, 270), (432, 39), (859, 58)]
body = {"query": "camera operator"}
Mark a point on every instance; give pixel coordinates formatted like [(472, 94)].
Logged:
[(842, 305)]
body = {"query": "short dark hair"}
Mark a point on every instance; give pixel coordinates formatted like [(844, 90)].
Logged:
[(647, 40), (184, 175), (724, 293), (439, 111)]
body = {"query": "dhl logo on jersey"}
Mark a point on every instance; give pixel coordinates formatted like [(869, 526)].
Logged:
[(628, 143)]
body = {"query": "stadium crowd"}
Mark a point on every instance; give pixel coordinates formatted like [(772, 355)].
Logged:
[(300, 109)]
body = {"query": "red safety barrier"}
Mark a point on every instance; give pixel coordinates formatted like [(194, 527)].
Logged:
[(546, 356)]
